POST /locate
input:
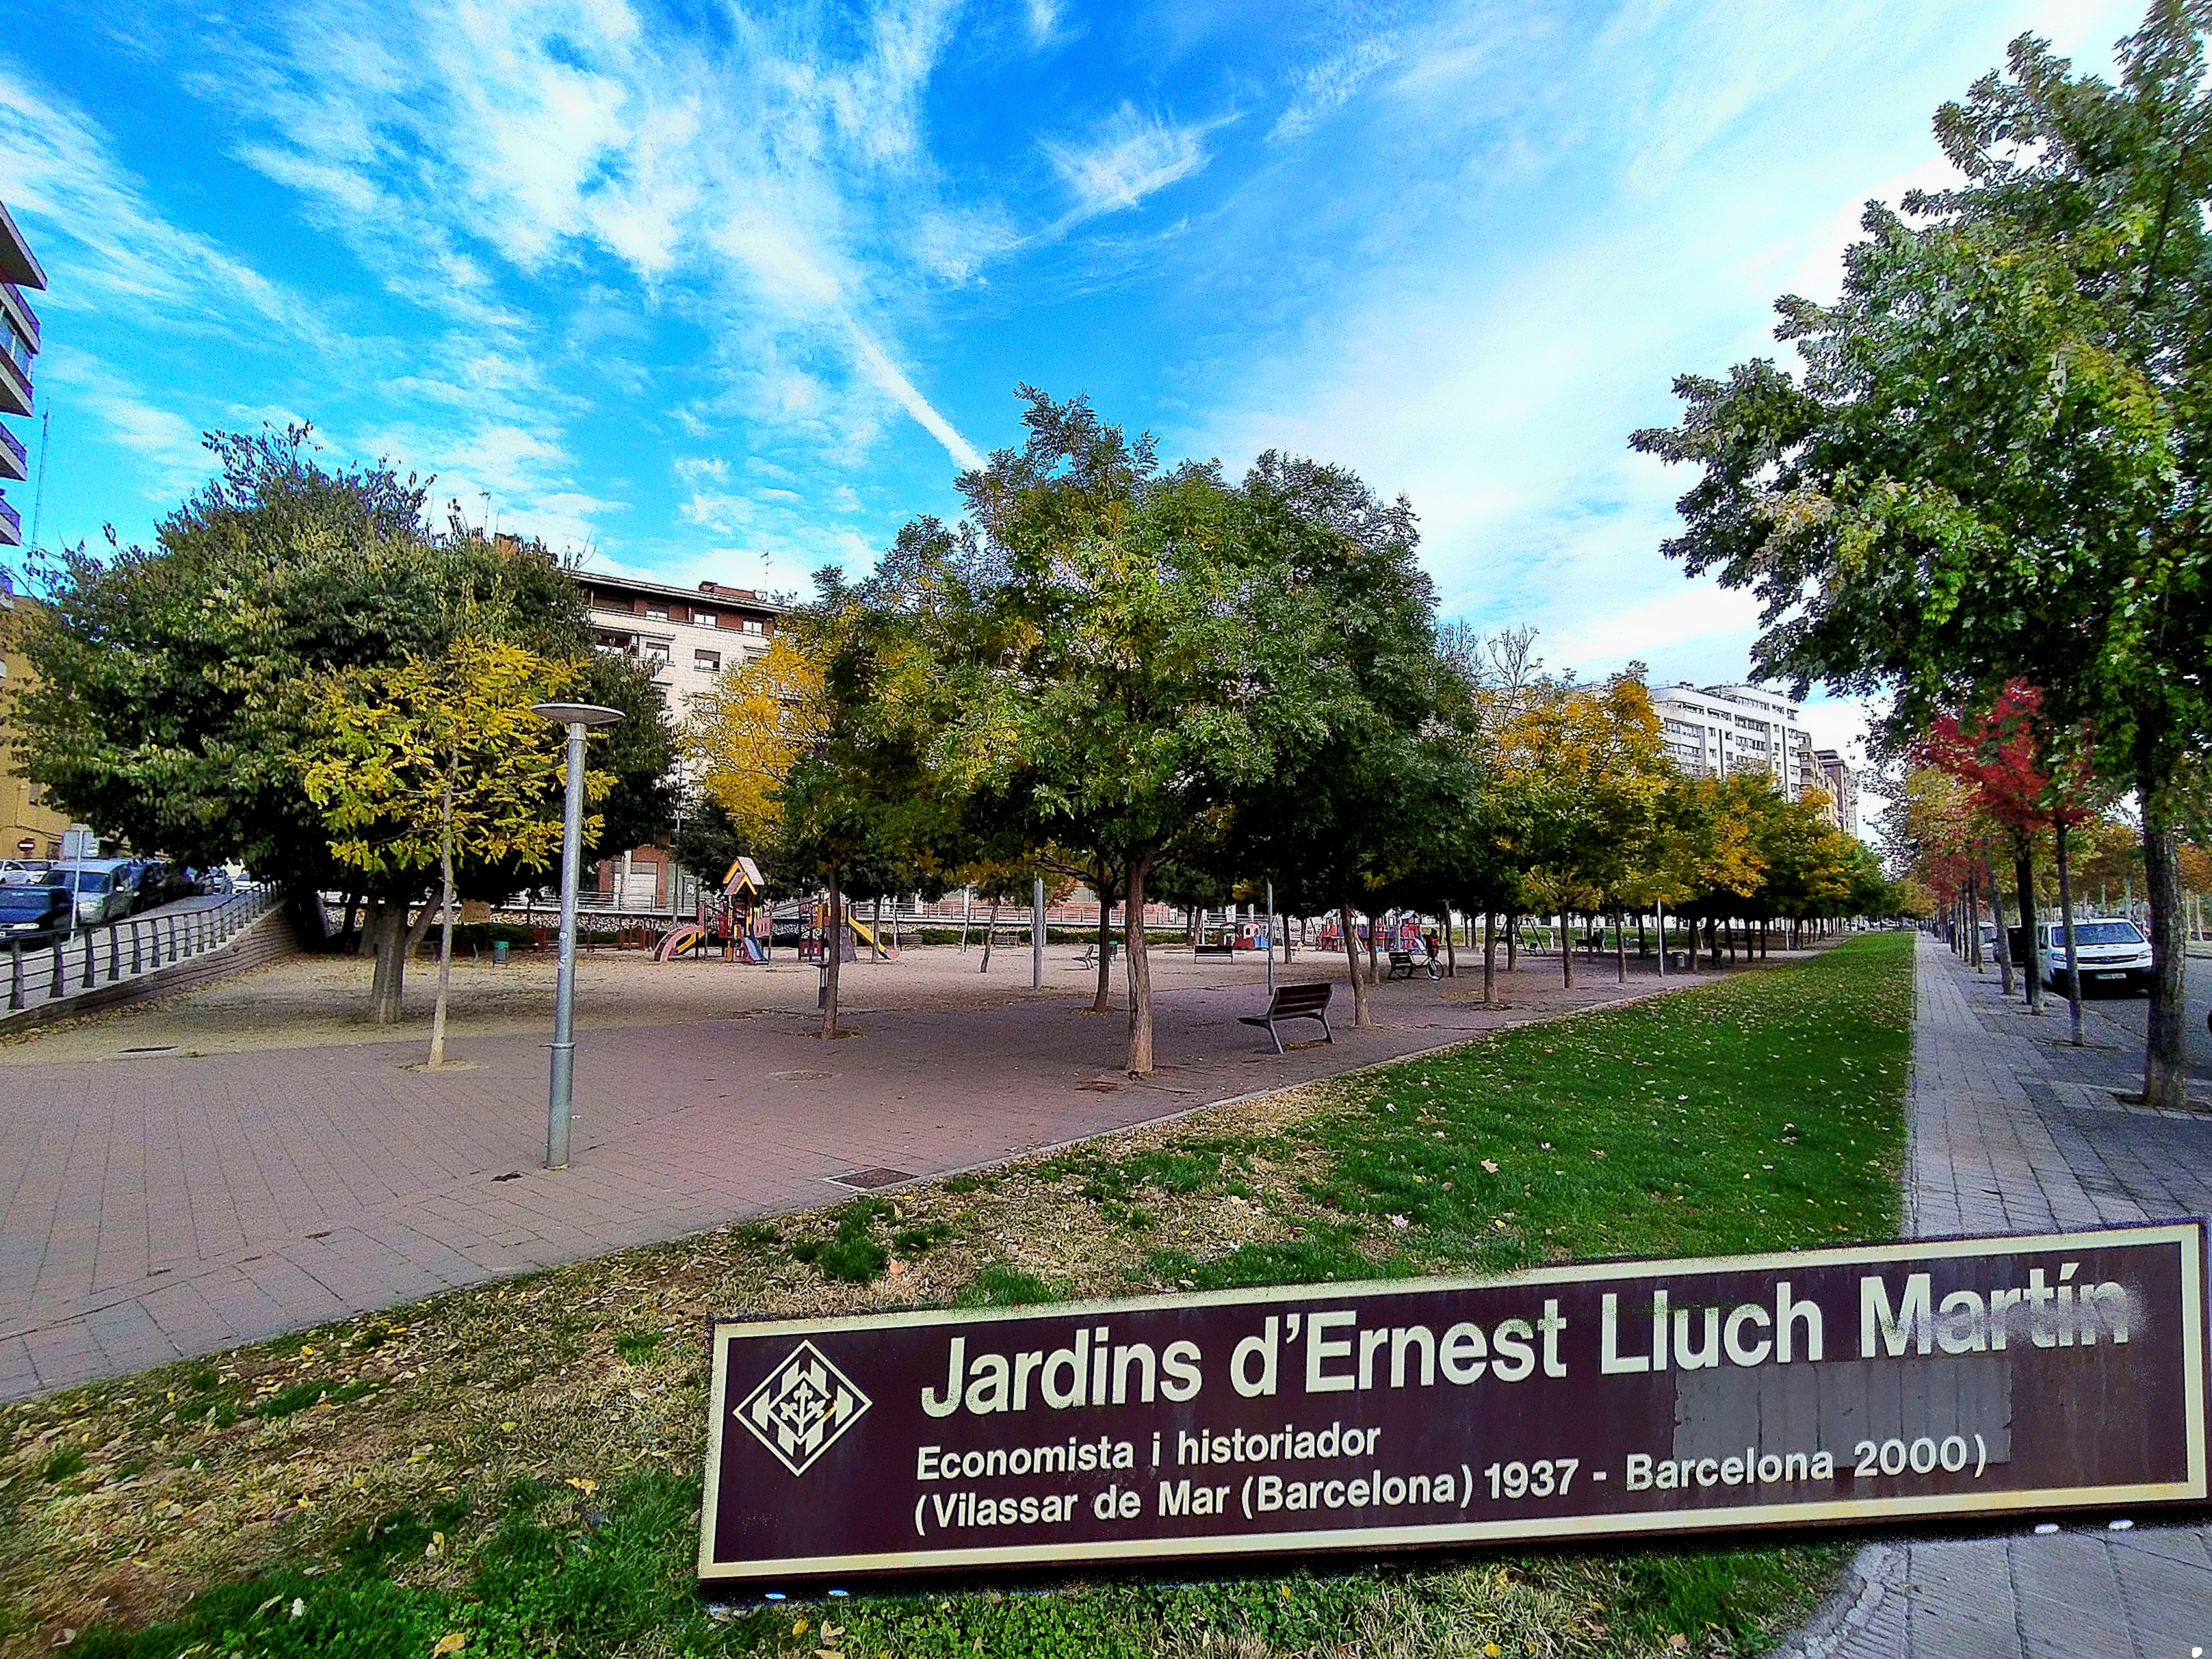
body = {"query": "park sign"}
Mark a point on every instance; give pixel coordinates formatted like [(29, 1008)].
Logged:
[(1948, 1378)]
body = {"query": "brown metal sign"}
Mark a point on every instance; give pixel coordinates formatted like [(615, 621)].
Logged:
[(1956, 1376)]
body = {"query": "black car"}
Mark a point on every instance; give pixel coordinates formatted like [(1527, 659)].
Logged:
[(36, 915)]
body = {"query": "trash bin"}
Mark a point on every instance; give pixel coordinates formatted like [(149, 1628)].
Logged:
[(498, 951)]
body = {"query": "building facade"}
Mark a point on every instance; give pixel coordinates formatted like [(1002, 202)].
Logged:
[(687, 636), (19, 344), (29, 829), (1723, 731), (1842, 784)]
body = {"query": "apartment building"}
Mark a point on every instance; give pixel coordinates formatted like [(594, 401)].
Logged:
[(687, 636), (1842, 784), (1722, 730), (19, 344)]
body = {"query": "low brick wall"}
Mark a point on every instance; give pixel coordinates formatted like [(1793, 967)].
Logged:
[(269, 938)]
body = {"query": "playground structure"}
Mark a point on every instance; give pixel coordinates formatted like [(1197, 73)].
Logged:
[(738, 921), (744, 925)]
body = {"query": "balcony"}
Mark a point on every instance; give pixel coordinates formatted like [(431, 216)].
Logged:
[(15, 460), (11, 526), (15, 386), (17, 263)]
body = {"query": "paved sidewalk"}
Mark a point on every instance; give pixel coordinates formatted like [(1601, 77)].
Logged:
[(159, 1205), (2012, 1130)]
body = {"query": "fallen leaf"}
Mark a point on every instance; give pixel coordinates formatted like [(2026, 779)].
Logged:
[(583, 1484), (897, 1269), (1400, 1221), (830, 1632), (298, 1607), (508, 1427), (1678, 1642), (799, 1629), (451, 1641), (1491, 1165)]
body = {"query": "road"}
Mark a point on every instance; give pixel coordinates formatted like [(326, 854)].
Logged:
[(2125, 1020)]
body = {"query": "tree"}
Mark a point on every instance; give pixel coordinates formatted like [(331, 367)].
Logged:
[(1128, 662), (1586, 769), (753, 725), (1990, 468), (175, 685), (439, 761)]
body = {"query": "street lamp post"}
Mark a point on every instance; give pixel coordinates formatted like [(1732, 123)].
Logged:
[(577, 717)]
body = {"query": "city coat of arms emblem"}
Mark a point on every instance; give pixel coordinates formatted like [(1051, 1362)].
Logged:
[(799, 1408)]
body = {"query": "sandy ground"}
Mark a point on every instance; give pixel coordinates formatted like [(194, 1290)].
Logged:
[(316, 1001)]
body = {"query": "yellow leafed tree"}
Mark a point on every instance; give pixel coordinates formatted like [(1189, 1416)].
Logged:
[(745, 734)]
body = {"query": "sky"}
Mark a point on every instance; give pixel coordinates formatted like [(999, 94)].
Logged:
[(706, 292)]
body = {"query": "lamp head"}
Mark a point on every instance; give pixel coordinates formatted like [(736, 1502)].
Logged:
[(577, 713)]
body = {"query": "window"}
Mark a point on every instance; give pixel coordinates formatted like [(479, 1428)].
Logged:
[(705, 619), (754, 625), (656, 613), (707, 662), (656, 650)]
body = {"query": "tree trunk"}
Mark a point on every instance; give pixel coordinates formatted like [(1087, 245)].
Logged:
[(1451, 949), (384, 935), (2031, 964), (1512, 941), (1567, 949), (1489, 959), (1103, 1001), (1360, 1016), (1620, 943), (1140, 973), (445, 932), (875, 932), (1643, 936), (1998, 916), (1373, 948), (2166, 1076), (348, 939), (990, 933), (2066, 923), (833, 953)]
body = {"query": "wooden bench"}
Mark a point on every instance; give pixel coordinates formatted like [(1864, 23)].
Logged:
[(1404, 964), (1222, 949), (1294, 1002)]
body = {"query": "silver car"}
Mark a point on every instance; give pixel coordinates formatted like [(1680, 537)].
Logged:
[(104, 887)]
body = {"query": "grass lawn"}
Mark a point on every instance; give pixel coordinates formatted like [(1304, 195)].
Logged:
[(515, 1469)]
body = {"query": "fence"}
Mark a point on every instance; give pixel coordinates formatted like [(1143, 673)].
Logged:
[(116, 953)]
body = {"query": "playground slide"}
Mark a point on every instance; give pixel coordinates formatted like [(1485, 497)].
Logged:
[(674, 943), (867, 938)]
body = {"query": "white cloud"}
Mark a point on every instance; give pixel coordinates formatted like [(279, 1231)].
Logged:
[(169, 446), (1320, 89), (767, 177), (1126, 158)]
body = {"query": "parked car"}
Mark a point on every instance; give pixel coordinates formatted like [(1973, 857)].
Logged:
[(24, 872), (157, 883), (104, 887), (2112, 950), (34, 915)]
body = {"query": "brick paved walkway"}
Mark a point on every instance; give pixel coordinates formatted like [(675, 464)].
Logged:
[(161, 1204), (2012, 1130)]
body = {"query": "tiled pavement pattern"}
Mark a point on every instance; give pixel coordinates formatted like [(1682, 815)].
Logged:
[(161, 1205), (2013, 1130)]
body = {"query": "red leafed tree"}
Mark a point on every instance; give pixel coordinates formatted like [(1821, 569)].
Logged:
[(2005, 757)]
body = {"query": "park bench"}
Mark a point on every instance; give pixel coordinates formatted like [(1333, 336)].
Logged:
[(1224, 949), (1404, 964), (1090, 956), (1294, 1002)]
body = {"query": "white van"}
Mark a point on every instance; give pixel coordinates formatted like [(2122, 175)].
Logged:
[(2112, 950)]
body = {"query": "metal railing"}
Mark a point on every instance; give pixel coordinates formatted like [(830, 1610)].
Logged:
[(115, 952)]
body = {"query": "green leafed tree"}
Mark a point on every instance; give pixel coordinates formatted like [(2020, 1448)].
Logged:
[(1990, 466), (437, 764), (176, 686)]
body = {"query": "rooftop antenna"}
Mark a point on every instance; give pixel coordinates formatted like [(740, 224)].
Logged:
[(485, 495), (39, 491)]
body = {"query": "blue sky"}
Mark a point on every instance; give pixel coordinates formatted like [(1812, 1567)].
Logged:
[(723, 293)]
